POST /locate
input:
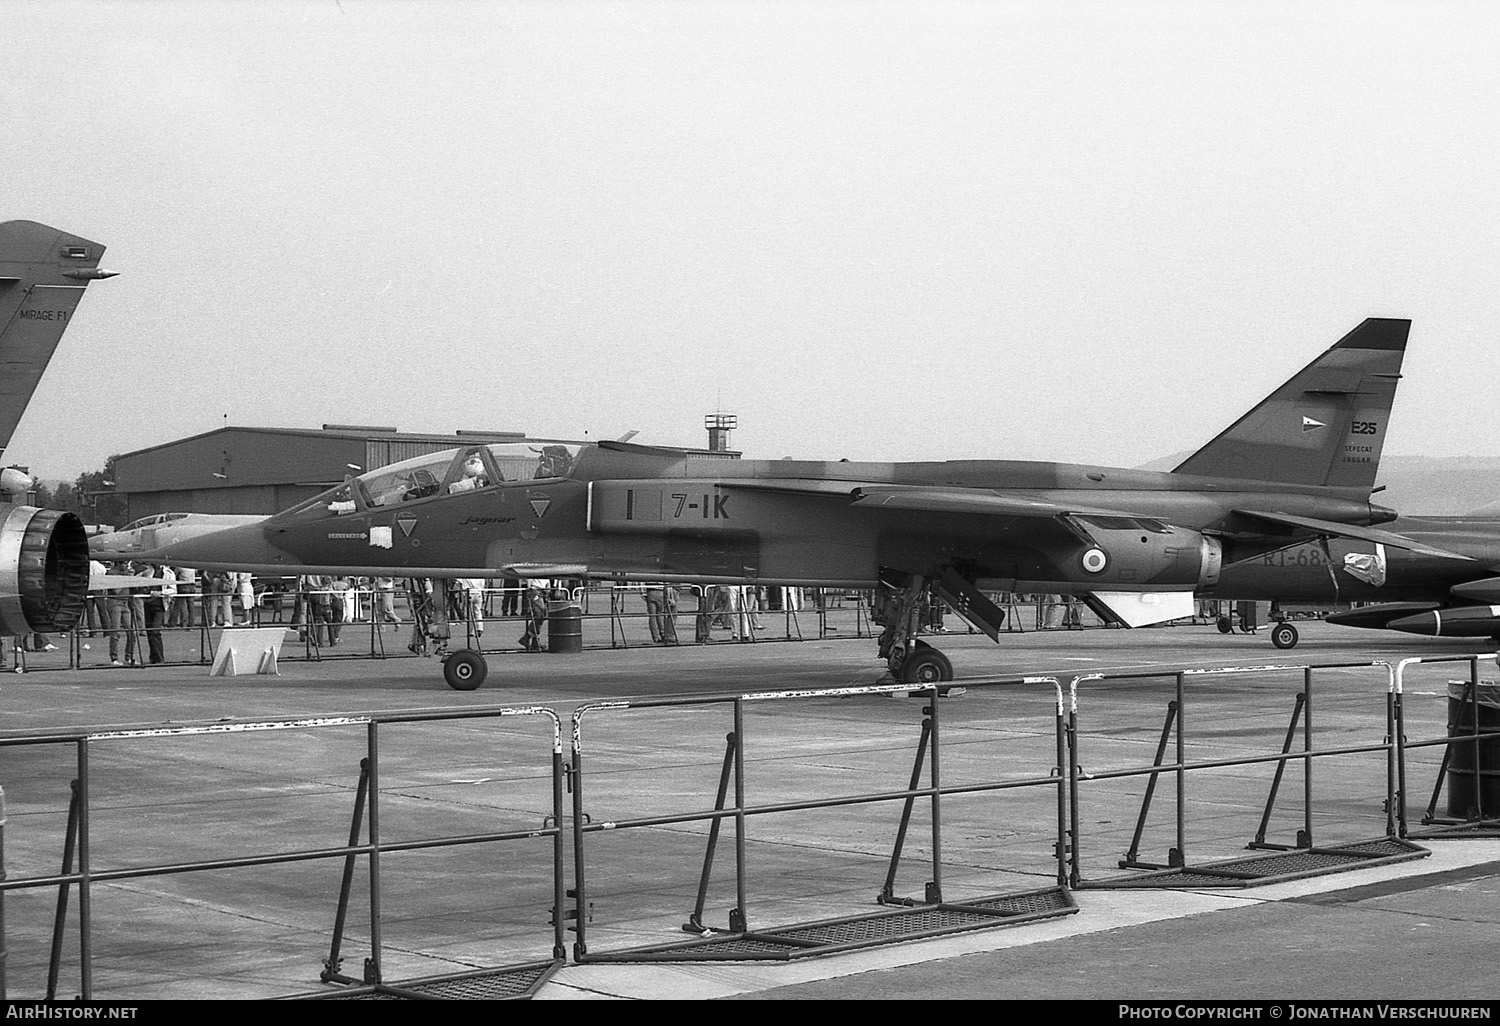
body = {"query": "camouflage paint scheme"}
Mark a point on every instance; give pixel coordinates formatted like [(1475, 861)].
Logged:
[(1403, 585), (637, 512)]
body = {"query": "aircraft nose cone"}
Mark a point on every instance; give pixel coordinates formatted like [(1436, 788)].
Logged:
[(108, 548)]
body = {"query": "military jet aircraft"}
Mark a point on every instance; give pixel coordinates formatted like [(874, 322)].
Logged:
[(161, 529), (1136, 544), (1416, 592), (44, 557)]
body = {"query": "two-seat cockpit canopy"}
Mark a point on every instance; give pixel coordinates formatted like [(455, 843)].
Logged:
[(468, 468), (152, 521)]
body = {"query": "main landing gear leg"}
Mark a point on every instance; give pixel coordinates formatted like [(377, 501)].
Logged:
[(911, 661)]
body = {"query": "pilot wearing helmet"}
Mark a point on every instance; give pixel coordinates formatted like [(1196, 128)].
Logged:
[(473, 476)]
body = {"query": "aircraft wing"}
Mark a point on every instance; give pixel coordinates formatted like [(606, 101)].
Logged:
[(1019, 504), (792, 486), (1042, 518), (1132, 609), (925, 498), (968, 500), (1331, 529)]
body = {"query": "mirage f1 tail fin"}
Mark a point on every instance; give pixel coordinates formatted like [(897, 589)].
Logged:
[(43, 273), (1325, 426)]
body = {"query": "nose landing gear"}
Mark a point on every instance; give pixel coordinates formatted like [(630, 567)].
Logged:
[(465, 670)]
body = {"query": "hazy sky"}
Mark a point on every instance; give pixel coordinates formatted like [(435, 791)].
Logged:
[(1094, 232)]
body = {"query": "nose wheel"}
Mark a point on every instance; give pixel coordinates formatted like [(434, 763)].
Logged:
[(1284, 635), (465, 670)]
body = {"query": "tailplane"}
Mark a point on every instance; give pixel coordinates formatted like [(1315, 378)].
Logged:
[(43, 273), (1325, 426)]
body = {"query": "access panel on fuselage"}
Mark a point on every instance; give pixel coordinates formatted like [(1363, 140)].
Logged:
[(650, 507), (712, 530)]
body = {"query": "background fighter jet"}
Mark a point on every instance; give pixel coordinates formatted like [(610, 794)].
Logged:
[(1416, 592), (163, 529), (44, 561), (1136, 544)]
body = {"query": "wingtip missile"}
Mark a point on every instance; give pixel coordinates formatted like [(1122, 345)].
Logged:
[(89, 273)]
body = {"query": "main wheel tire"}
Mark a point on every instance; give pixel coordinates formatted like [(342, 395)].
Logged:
[(1225, 625), (926, 666), (1284, 635), (465, 670)]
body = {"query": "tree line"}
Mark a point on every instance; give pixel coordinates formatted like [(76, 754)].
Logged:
[(91, 495)]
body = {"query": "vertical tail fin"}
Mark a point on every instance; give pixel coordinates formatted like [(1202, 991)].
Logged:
[(43, 273), (1325, 426)]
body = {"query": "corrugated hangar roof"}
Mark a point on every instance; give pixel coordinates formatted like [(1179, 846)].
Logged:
[(357, 431)]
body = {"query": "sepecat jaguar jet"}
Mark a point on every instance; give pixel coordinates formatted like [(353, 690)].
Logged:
[(1134, 544)]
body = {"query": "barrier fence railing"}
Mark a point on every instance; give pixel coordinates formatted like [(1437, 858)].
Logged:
[(1252, 728), (137, 639), (734, 806), (1470, 761), (1056, 768), (80, 870), (186, 628)]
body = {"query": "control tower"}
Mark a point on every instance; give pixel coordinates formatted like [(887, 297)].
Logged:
[(719, 425)]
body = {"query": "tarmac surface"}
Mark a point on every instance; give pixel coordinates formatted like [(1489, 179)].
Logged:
[(178, 793)]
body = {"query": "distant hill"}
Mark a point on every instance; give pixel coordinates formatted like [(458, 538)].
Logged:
[(1422, 485), (1440, 485)]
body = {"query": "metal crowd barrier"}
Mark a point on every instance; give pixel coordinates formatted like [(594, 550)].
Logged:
[(847, 616), (688, 834), (1469, 767), (423, 833), (814, 612), (818, 613), (1371, 821), (935, 912)]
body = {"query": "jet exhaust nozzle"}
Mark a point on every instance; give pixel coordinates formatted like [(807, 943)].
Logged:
[(44, 570)]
